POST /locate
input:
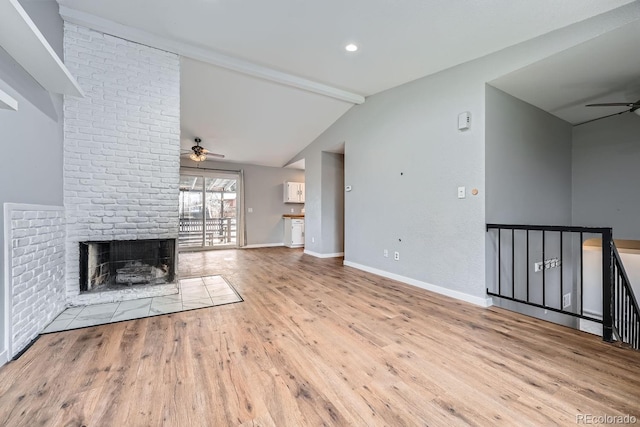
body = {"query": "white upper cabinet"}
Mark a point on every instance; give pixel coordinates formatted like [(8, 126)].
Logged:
[(294, 192)]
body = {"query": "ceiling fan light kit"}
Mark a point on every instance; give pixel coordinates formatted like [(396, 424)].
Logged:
[(199, 154), (198, 157)]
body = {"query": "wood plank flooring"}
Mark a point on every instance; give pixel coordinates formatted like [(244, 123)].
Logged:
[(315, 344)]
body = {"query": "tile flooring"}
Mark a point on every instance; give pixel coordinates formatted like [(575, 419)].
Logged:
[(193, 293)]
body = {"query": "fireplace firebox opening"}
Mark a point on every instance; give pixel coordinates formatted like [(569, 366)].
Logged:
[(115, 264)]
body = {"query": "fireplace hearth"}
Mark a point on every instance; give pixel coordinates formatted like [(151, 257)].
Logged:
[(121, 264)]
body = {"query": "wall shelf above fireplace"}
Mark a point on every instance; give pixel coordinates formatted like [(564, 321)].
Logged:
[(7, 102), (22, 39)]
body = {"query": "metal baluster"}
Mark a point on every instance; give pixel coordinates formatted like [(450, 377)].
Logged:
[(561, 268), (616, 297), (607, 318), (581, 278), (499, 262), (634, 328), (544, 296), (620, 300), (527, 269), (513, 263), (626, 316)]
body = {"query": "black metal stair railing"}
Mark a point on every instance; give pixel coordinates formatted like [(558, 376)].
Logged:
[(557, 253), (543, 266), (625, 313)]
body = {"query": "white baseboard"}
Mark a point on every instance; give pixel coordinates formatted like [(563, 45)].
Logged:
[(482, 302), (590, 327), (262, 245), (319, 255), (592, 313), (3, 358), (585, 325)]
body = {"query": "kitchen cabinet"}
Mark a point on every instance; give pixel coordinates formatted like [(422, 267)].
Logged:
[(294, 232), (294, 192)]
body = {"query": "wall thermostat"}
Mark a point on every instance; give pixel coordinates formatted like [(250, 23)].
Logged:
[(347, 188), (464, 120)]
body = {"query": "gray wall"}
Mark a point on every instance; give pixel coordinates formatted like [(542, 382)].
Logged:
[(332, 203), (528, 163), (528, 179), (31, 160), (606, 173), (404, 158), (264, 191)]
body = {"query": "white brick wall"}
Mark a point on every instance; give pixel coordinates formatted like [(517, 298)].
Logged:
[(36, 239), (122, 143)]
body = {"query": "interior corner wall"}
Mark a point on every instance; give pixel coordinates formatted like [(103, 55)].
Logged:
[(332, 195), (606, 155), (528, 179), (528, 163), (264, 194), (31, 161), (313, 201)]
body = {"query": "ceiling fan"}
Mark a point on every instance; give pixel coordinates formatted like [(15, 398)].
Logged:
[(634, 107), (198, 153)]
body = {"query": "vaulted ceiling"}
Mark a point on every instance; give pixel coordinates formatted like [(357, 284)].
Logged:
[(603, 69), (262, 79)]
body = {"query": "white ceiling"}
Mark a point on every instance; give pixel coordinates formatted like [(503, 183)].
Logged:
[(255, 121), (604, 69), (247, 119)]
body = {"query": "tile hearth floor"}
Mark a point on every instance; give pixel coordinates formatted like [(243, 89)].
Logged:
[(199, 292)]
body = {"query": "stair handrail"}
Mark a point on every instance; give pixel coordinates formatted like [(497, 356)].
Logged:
[(628, 289)]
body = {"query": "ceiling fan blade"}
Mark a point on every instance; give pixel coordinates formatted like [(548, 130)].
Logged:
[(613, 104), (209, 153), (604, 117)]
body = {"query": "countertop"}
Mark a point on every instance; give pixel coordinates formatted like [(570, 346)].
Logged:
[(293, 216)]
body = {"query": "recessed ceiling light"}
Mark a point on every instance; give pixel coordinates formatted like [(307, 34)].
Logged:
[(351, 47)]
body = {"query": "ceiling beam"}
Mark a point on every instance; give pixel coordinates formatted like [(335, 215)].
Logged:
[(209, 56)]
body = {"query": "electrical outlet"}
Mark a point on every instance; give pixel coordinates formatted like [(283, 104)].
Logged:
[(566, 300), (547, 264), (292, 210), (396, 256), (250, 210), (313, 240), (385, 253)]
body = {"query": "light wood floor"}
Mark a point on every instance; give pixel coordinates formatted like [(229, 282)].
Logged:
[(314, 344)]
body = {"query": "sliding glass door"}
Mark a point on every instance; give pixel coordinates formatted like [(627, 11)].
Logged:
[(209, 210)]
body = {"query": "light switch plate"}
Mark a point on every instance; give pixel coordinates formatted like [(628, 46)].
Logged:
[(464, 120), (462, 193)]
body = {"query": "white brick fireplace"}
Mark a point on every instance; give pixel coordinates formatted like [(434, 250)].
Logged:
[(34, 270), (121, 175), (122, 146)]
